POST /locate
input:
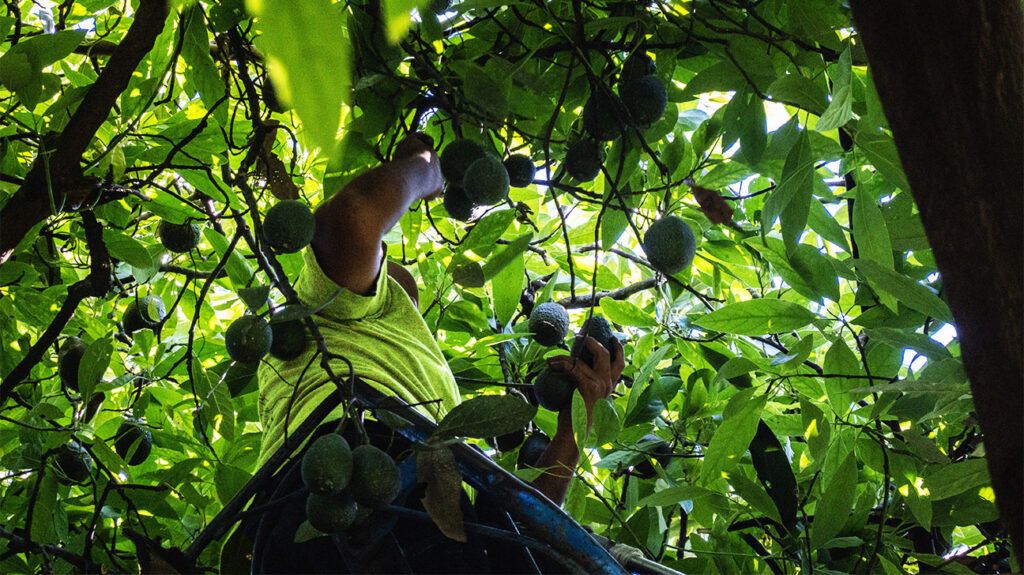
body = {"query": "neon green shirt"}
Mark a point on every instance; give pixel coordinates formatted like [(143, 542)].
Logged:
[(382, 334)]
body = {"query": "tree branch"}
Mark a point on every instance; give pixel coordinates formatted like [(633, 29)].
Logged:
[(595, 298), (56, 175)]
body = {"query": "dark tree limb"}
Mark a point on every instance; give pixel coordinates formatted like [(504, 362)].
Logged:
[(950, 77), (19, 543), (595, 298), (56, 174)]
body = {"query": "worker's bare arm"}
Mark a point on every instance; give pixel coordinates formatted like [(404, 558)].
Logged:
[(559, 460), (351, 225)]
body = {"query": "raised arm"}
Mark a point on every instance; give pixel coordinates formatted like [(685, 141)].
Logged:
[(559, 460), (351, 225)]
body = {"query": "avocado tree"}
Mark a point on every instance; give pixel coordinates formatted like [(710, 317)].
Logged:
[(713, 183)]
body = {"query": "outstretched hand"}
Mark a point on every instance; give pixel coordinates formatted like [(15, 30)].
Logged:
[(418, 146), (597, 381)]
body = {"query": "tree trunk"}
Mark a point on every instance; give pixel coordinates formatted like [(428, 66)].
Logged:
[(949, 75)]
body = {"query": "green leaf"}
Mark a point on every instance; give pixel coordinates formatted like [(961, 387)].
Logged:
[(308, 61), (755, 495), (870, 231), (255, 297), (757, 317), (437, 468), (774, 471), (126, 249), (502, 259), (950, 479), (487, 231), (508, 287), (202, 71), (904, 290), (238, 269), (469, 275), (791, 200), (799, 91), (834, 507), (881, 152), (733, 436), (485, 416), (624, 313), (840, 109), (840, 360), (398, 16), (93, 365), (606, 425)]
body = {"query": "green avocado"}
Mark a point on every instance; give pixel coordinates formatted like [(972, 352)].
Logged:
[(457, 203), (521, 170), (178, 238), (327, 465), (289, 226), (289, 339), (645, 100), (133, 442), (376, 479), (143, 313), (73, 462), (598, 328), (604, 116), (248, 339), (68, 361), (670, 245), (657, 448), (532, 449), (457, 157), (331, 513), (486, 181), (549, 323), (507, 442), (553, 390), (637, 65), (584, 159)]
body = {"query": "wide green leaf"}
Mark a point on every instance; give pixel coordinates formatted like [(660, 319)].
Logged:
[(757, 317), (732, 438), (485, 416)]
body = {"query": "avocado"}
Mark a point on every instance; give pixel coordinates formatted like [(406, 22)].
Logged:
[(248, 339), (658, 449), (68, 361), (521, 170), (598, 328), (532, 449), (457, 157), (376, 479), (507, 442), (549, 323), (143, 313), (584, 159), (457, 203), (73, 462), (178, 238), (670, 245), (603, 115), (486, 181), (135, 440), (331, 513), (637, 65), (327, 465), (645, 100), (554, 390), (289, 226), (289, 339)]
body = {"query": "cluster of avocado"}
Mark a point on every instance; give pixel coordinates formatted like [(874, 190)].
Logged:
[(478, 178), (554, 389), (641, 101), (670, 245), (251, 337), (345, 484)]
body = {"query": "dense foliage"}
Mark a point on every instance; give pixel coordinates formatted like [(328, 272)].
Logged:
[(802, 371)]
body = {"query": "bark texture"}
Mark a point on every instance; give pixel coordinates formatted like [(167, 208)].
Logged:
[(949, 75)]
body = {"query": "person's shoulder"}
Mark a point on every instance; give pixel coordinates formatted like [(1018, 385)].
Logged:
[(405, 279)]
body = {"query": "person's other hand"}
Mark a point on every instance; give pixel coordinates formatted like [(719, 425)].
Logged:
[(597, 381), (418, 146)]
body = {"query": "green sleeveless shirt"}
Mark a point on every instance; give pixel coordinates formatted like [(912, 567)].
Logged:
[(382, 334)]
